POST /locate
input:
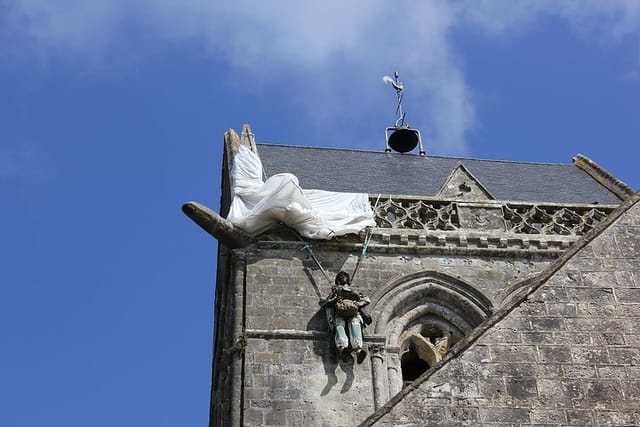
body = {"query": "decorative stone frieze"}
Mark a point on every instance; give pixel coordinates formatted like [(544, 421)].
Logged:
[(398, 212), (421, 214)]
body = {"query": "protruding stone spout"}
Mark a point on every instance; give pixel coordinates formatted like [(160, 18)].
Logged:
[(226, 233)]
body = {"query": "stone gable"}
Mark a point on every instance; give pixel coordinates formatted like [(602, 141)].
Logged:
[(569, 354)]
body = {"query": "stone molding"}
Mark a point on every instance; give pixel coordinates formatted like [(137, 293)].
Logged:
[(420, 226), (604, 177), (451, 243), (376, 340)]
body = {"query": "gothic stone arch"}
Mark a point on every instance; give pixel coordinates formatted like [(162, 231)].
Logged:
[(418, 317)]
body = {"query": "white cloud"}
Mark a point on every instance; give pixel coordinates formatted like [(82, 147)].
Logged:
[(611, 19), (59, 28), (330, 52)]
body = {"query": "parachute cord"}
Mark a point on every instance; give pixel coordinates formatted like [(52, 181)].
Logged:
[(308, 250)]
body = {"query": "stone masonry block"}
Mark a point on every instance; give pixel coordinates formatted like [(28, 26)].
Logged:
[(503, 335), (624, 277), (260, 403), (589, 309), (571, 338), (463, 415), (493, 388), (554, 353), (619, 264), (628, 311), (284, 393), (547, 323), (266, 357), (521, 388), (605, 246), (548, 416), (284, 405), (277, 346), (254, 417), (579, 417), (549, 370), (633, 371), (618, 372), (617, 418), (632, 339), (533, 308), (536, 337), (628, 243), (504, 415), (553, 294), (599, 325), (501, 369), (590, 355), (513, 353), (480, 354), (632, 389), (603, 390), (518, 322), (624, 356), (587, 264), (564, 309), (251, 393), (631, 295), (295, 418), (292, 358), (563, 391), (579, 371), (596, 279), (598, 295), (275, 418), (631, 218)]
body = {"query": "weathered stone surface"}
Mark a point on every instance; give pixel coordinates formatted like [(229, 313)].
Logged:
[(577, 359), (567, 355), (314, 386)]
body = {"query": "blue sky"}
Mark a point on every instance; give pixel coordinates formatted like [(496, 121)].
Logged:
[(112, 115)]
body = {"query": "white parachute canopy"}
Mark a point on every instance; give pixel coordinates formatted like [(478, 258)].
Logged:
[(316, 214)]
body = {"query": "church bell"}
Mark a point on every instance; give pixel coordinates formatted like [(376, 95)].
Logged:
[(403, 139)]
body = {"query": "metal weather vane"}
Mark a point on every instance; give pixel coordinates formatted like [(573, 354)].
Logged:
[(402, 138), (399, 87)]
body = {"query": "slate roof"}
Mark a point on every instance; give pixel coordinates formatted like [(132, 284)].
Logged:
[(407, 174)]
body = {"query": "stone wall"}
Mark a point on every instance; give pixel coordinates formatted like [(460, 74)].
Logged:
[(283, 286), (297, 381), (569, 354), (292, 375)]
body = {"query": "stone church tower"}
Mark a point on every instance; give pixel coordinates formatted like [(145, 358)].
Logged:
[(528, 272)]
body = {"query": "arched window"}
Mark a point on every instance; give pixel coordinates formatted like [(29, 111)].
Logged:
[(412, 364), (421, 316)]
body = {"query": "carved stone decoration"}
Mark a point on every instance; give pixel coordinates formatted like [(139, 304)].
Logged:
[(432, 353), (228, 234), (538, 219), (462, 185), (520, 218), (416, 214), (480, 217)]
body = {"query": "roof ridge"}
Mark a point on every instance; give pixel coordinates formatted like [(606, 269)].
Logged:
[(535, 283), (438, 156)]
